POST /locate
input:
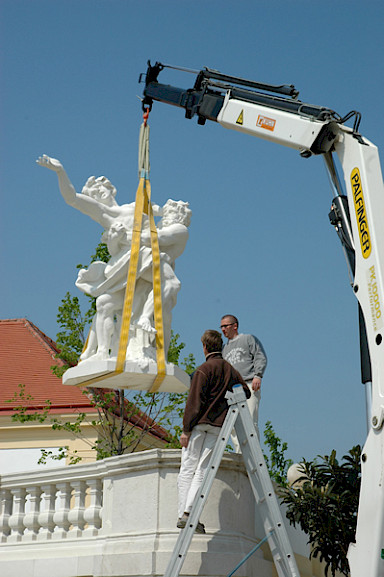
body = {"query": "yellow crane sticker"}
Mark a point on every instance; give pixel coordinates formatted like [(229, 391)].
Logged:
[(240, 119), (361, 214), (374, 299)]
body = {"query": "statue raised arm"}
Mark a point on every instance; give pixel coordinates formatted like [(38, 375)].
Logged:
[(97, 198)]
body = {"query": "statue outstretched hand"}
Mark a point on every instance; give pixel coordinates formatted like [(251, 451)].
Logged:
[(50, 163)]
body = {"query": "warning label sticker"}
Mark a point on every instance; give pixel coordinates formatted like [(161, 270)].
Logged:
[(266, 123), (240, 120)]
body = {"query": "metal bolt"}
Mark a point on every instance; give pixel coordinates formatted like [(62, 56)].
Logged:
[(374, 421)]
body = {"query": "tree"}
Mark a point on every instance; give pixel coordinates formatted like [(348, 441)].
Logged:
[(324, 502), (277, 464), (124, 418)]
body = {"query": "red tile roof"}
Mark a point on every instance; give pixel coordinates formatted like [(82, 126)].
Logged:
[(26, 355)]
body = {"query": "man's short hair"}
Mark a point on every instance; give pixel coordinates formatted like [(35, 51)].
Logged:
[(212, 341), (232, 317)]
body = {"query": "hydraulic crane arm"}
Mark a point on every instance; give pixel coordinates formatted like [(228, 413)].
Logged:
[(274, 113), (241, 105)]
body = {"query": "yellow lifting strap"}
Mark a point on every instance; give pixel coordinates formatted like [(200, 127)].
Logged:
[(142, 206), (158, 302)]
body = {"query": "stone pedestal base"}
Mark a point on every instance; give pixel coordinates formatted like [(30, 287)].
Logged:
[(137, 375)]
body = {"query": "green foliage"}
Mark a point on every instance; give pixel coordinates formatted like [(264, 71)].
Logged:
[(72, 335), (174, 403), (116, 422), (324, 503), (63, 453), (23, 410), (171, 417), (101, 253), (277, 464), (174, 351)]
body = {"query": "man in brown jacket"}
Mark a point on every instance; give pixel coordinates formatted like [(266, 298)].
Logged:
[(204, 414)]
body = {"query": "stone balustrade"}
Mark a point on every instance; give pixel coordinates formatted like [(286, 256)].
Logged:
[(51, 504), (117, 517)]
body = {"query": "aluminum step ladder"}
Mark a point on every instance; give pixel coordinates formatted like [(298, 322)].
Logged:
[(239, 417)]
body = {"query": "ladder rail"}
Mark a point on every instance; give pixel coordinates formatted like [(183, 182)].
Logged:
[(185, 537), (265, 496)]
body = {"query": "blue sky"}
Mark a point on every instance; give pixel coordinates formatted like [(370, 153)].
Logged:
[(260, 246)]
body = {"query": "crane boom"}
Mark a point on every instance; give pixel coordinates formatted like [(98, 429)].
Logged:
[(276, 114)]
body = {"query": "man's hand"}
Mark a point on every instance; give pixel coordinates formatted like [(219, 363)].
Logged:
[(50, 163), (184, 439), (256, 384)]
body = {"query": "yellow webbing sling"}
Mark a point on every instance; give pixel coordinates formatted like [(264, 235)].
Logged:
[(142, 206), (157, 297)]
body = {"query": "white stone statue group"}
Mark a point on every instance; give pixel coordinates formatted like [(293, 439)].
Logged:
[(107, 281)]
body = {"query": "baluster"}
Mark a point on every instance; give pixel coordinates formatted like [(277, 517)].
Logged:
[(76, 514), (16, 519), (5, 513), (60, 517), (31, 519), (92, 514), (47, 510)]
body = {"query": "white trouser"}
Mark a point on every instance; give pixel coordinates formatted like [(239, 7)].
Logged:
[(253, 406), (194, 462)]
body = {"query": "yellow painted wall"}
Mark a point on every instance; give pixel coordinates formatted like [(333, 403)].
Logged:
[(33, 435)]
